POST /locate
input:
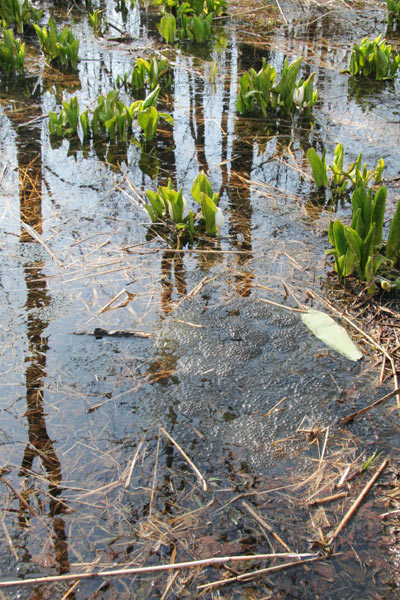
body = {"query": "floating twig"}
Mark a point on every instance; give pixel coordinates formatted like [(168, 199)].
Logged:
[(252, 574), (129, 297), (9, 540), (20, 498), (327, 499), (290, 308), (358, 501), (266, 525), (153, 487), (370, 406), (215, 560), (133, 462), (185, 456)]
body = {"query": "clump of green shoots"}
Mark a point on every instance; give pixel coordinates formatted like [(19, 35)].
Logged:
[(167, 28), (374, 59), (258, 91), (111, 117), (211, 214), (148, 117), (12, 54), (167, 205), (393, 7), (146, 75), (98, 21), (189, 19), (66, 122), (360, 246), (18, 13), (61, 48), (371, 460), (197, 28), (341, 178)]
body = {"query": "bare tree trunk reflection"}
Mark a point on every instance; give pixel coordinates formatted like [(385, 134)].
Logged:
[(29, 154), (168, 259)]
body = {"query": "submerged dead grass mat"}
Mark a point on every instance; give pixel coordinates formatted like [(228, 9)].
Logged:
[(170, 531)]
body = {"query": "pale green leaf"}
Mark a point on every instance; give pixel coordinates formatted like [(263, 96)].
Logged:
[(332, 334)]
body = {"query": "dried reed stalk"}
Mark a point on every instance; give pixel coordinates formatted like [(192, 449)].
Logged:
[(266, 525), (216, 560), (370, 406), (185, 456), (357, 502), (252, 574)]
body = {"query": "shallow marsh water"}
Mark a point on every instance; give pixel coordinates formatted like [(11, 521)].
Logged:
[(76, 407)]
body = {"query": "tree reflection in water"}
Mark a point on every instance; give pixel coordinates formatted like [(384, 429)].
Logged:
[(29, 155)]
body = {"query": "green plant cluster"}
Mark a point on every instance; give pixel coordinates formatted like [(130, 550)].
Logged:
[(342, 178), (189, 19), (393, 7), (146, 75), (357, 246), (98, 21), (18, 13), (167, 205), (111, 118), (12, 54), (258, 91), (360, 246), (374, 59), (61, 48)]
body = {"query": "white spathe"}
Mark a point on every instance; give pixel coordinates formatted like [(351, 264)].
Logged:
[(219, 219)]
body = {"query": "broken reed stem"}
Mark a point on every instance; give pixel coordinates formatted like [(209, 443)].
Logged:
[(252, 574), (39, 239), (370, 406), (327, 499), (193, 292), (358, 501), (133, 462), (20, 498), (203, 482), (9, 540), (217, 560), (266, 525), (290, 308), (153, 488), (169, 585), (69, 591), (152, 250), (108, 305), (324, 447)]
